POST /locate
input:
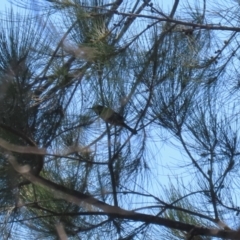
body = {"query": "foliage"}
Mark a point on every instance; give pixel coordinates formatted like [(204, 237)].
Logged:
[(173, 76)]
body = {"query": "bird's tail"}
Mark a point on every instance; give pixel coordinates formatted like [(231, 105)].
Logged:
[(134, 131)]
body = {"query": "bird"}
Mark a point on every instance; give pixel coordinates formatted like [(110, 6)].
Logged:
[(112, 117)]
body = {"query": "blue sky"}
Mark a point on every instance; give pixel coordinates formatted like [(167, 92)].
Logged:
[(166, 155), (3, 4)]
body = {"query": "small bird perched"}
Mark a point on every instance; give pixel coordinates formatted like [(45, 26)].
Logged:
[(110, 116)]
